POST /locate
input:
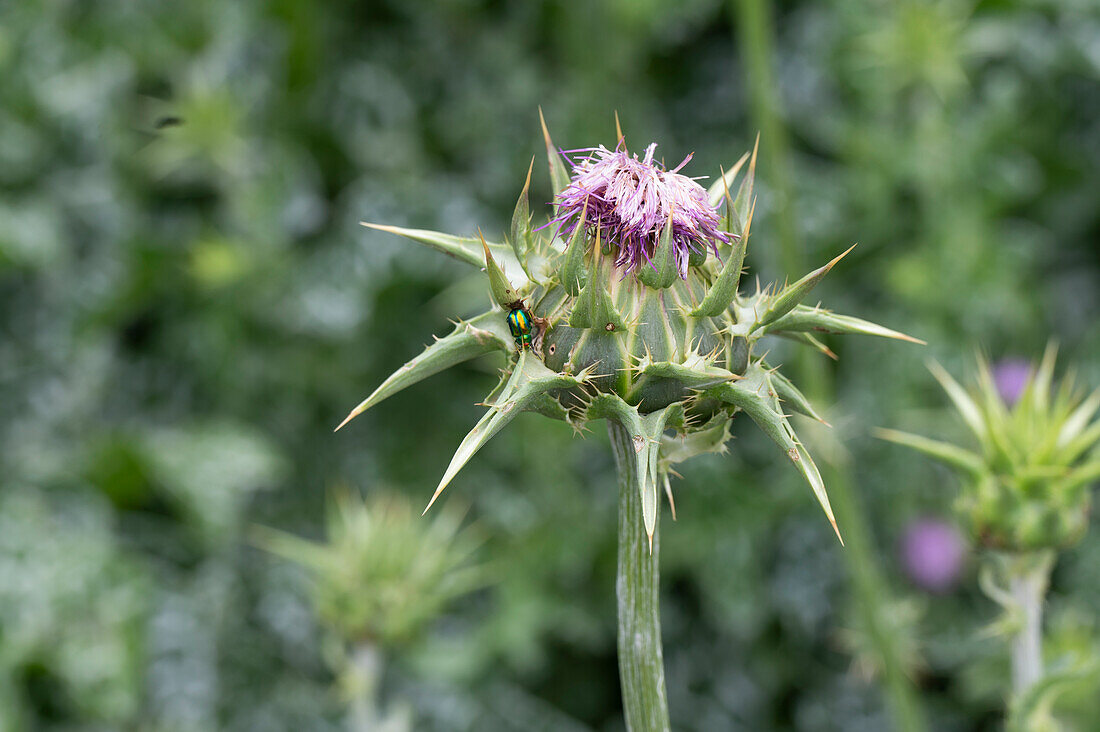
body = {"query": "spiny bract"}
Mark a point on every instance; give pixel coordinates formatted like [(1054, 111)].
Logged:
[(633, 287)]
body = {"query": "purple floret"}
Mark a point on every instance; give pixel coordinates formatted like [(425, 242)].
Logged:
[(1011, 376), (933, 554), (630, 200)]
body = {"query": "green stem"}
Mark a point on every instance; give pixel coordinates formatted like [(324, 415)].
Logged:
[(753, 19), (1028, 576), (364, 670), (637, 587), (871, 601), (754, 25)]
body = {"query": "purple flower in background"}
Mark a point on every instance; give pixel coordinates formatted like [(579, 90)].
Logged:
[(631, 200), (1011, 376), (932, 552)]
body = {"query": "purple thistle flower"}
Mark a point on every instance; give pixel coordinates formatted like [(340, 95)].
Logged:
[(631, 200), (932, 552), (1011, 376)]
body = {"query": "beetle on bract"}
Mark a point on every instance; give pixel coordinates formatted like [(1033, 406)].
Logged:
[(521, 324)]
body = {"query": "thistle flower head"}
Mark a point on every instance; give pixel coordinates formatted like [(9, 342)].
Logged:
[(668, 353), (630, 201)]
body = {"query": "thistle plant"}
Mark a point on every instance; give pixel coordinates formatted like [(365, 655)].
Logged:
[(1025, 496), (377, 580), (624, 306)]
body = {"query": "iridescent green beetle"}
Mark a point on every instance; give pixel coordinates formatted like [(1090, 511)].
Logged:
[(521, 324)]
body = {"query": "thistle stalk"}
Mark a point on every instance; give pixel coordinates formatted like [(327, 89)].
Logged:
[(364, 670), (637, 587), (755, 26), (871, 598), (1026, 497), (1029, 575)]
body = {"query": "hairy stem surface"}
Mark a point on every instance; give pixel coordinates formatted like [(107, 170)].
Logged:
[(364, 672), (637, 587), (1028, 578)]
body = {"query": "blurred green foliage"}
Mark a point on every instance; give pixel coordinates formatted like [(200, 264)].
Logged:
[(188, 306)]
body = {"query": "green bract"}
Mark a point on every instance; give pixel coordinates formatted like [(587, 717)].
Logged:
[(651, 351), (1026, 487)]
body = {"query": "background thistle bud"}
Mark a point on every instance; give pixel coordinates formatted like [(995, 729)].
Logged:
[(378, 581), (1027, 485), (631, 290), (381, 575)]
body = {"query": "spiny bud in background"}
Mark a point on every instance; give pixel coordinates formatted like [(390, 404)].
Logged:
[(1027, 485), (624, 306), (382, 574)]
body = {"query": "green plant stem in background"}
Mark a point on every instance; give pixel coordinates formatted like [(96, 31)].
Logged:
[(753, 20), (637, 587), (870, 598), (1028, 577), (754, 26), (364, 665)]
